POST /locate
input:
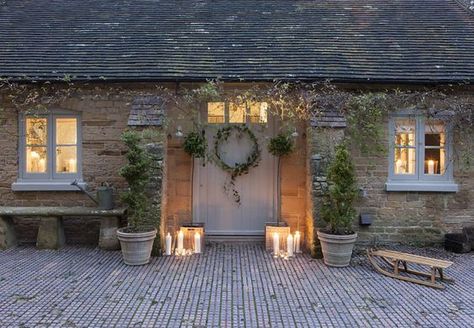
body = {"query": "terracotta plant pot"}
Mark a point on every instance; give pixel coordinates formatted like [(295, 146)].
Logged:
[(337, 249), (136, 246)]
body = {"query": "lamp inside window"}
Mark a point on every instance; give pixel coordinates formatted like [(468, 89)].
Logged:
[(435, 143), (405, 146)]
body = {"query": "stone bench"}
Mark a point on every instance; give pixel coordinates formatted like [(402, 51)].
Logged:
[(51, 229)]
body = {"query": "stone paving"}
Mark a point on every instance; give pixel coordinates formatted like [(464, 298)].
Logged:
[(230, 285)]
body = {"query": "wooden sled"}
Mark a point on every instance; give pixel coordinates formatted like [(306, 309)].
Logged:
[(395, 259)]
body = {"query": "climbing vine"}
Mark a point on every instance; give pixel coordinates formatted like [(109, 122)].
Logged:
[(365, 116), (195, 144), (365, 111)]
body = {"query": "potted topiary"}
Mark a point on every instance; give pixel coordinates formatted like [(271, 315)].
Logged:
[(136, 240), (338, 239), (279, 146)]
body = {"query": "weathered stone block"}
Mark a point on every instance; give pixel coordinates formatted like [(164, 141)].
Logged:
[(108, 233), (50, 233), (7, 233)]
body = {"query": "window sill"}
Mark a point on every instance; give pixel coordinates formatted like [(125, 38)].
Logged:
[(46, 186), (422, 186)]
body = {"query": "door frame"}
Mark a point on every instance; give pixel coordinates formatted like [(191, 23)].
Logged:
[(197, 166)]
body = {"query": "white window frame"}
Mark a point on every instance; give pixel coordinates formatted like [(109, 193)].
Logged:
[(51, 180), (420, 181), (247, 115)]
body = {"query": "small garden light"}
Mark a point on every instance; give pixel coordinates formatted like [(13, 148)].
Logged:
[(179, 132)]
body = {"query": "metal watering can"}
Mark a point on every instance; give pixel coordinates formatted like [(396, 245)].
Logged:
[(104, 196)]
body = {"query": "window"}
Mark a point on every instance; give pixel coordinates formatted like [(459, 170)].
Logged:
[(220, 112), (49, 154), (419, 155)]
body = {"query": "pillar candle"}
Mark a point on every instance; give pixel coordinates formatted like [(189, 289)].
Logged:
[(430, 167), (34, 161), (168, 244), (180, 247), (42, 165), (72, 165), (398, 169), (290, 245), (276, 244), (197, 243), (297, 242)]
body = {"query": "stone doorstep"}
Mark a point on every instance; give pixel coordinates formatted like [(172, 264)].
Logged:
[(51, 233)]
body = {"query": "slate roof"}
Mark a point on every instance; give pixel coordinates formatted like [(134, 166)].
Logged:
[(147, 111), (185, 40), (327, 118)]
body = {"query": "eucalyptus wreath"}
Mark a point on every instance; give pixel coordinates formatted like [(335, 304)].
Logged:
[(237, 169)]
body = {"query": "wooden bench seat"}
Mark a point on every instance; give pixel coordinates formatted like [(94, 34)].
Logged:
[(51, 230)]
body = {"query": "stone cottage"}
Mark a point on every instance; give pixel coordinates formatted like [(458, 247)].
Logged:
[(106, 62)]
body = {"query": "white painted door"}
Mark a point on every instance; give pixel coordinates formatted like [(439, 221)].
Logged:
[(216, 207)]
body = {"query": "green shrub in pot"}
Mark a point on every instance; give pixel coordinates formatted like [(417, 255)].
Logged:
[(338, 238), (137, 238)]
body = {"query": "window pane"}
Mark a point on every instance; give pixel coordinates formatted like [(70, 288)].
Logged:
[(434, 133), (215, 112), (36, 131), (435, 155), (66, 131), (66, 159), (405, 132), (258, 112), (405, 160), (237, 113), (434, 161), (36, 159)]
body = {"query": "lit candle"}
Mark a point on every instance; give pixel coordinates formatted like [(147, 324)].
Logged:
[(398, 169), (197, 243), (430, 166), (276, 244), (34, 161), (180, 247), (168, 244), (297, 242), (290, 245), (72, 165), (42, 165)]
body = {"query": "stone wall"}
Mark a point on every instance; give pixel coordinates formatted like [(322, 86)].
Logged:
[(178, 186), (399, 217), (104, 112), (411, 217)]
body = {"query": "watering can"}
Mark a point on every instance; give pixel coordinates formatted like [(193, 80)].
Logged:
[(104, 196)]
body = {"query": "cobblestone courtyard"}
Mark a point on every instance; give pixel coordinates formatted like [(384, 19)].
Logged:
[(230, 285)]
